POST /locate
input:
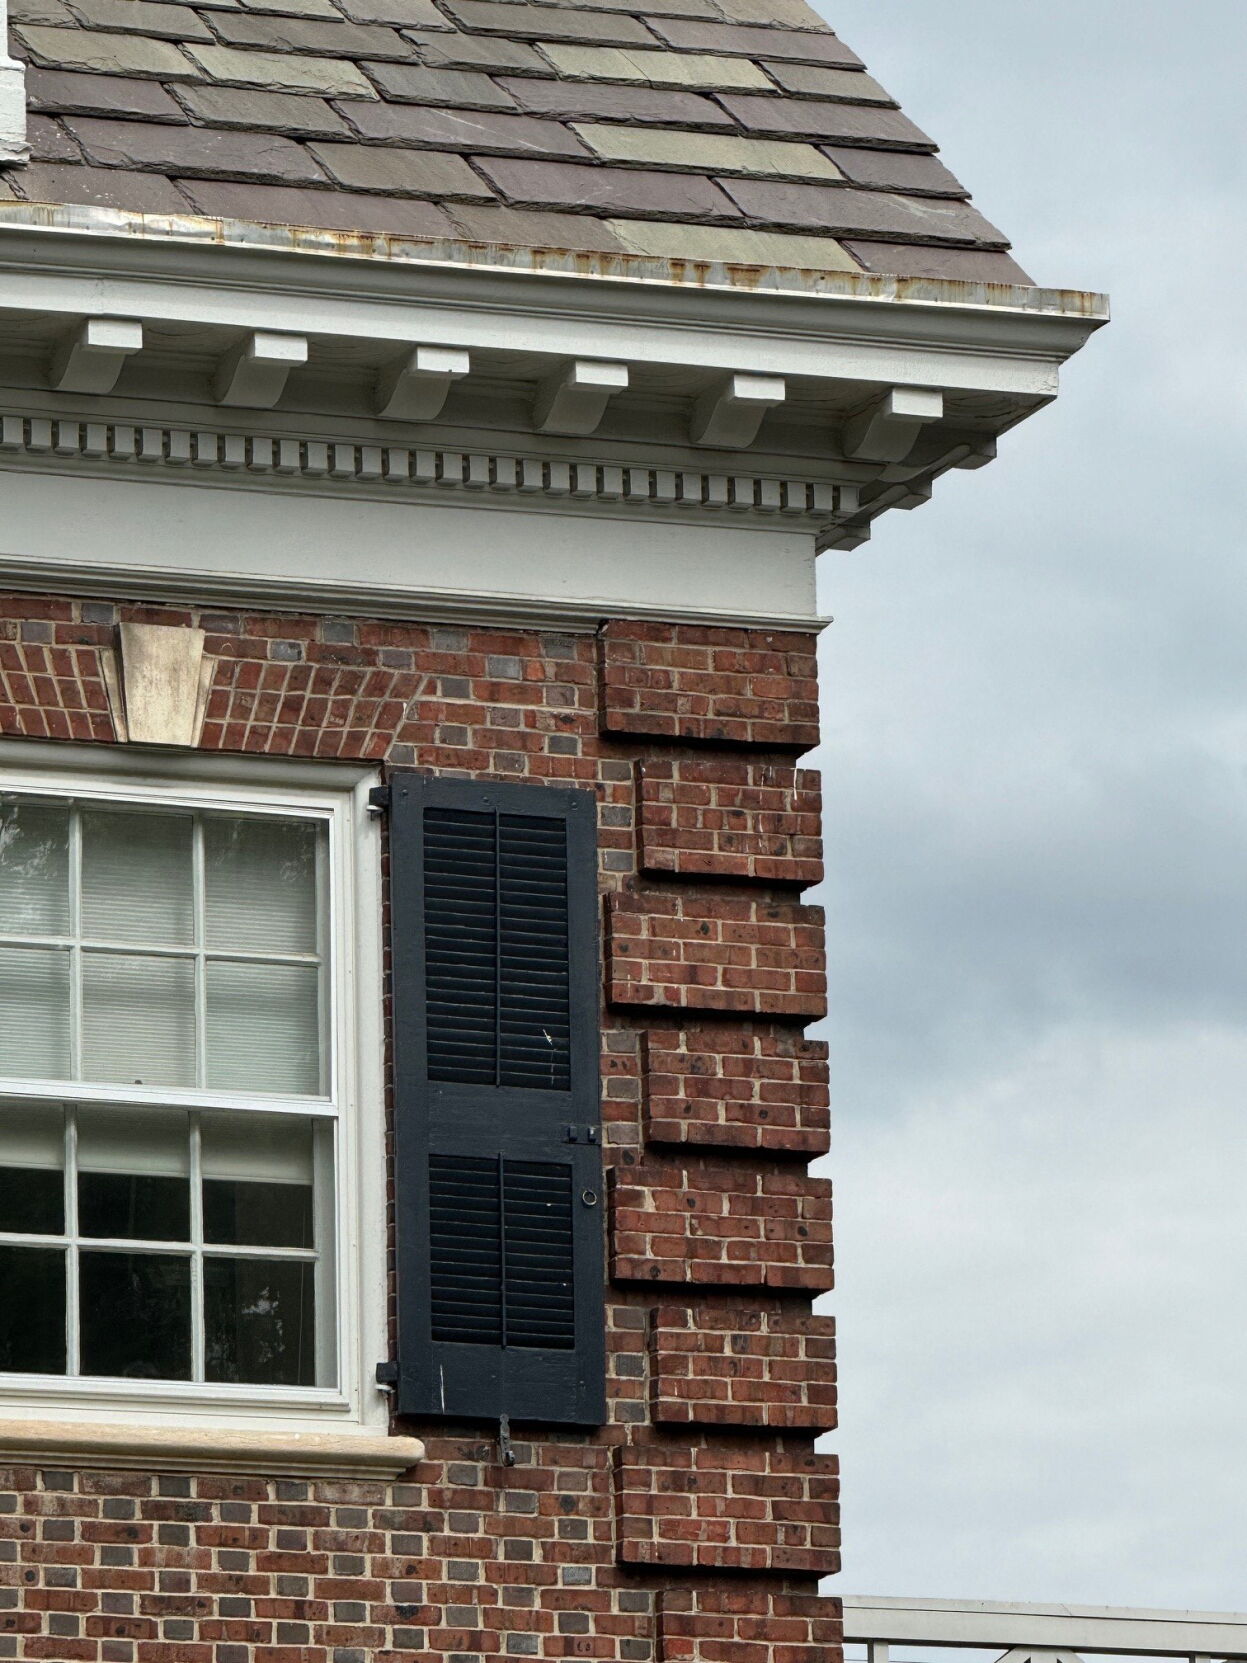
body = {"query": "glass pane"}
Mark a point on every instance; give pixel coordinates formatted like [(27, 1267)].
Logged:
[(34, 999), (260, 885), (32, 1179), (134, 1208), (259, 1322), (136, 1315), (257, 1214), (264, 1028), (257, 1172), (138, 1019), (32, 1311), (34, 869), (136, 878)]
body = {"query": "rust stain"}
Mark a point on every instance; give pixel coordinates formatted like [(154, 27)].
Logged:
[(561, 261)]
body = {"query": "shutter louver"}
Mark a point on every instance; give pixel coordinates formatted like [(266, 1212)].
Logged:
[(498, 1168)]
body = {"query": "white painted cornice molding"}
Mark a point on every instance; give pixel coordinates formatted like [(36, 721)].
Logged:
[(347, 465), (881, 383)]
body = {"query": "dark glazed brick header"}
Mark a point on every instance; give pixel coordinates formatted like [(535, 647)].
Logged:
[(610, 126)]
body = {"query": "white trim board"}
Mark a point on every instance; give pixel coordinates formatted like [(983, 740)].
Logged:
[(478, 560)]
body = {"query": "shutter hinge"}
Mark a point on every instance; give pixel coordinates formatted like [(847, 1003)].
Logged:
[(577, 1134), (504, 1442), (379, 800), (387, 1376)]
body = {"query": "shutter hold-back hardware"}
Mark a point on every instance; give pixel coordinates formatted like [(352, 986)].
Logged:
[(504, 1441), (379, 801)]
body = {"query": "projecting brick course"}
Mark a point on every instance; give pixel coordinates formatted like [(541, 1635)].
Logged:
[(722, 1224), (721, 686), (717, 817), (734, 1366), (728, 1505), (721, 953), (722, 1087)]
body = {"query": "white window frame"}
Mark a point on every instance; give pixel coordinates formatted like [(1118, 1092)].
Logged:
[(336, 795)]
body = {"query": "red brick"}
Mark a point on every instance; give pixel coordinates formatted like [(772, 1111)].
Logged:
[(720, 817), (728, 1366), (728, 1506), (717, 686), (733, 953), (747, 1624), (720, 1226), (723, 1087)]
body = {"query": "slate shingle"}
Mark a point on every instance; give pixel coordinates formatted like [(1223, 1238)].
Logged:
[(579, 189), (249, 108), (57, 89), (199, 152), (486, 132), (870, 124), (599, 101), (707, 130)]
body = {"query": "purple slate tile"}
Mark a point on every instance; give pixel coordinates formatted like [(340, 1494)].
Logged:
[(599, 101), (49, 142), (972, 265), (787, 118), (60, 89), (249, 109), (475, 130), (465, 89), (200, 152), (839, 212), (739, 40), (478, 52), (534, 22), (819, 81), (331, 210), (607, 190), (895, 170), (312, 35), (140, 193)]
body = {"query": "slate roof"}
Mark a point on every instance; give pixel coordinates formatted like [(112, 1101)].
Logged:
[(730, 130)]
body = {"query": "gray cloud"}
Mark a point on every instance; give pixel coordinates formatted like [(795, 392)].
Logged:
[(1036, 729)]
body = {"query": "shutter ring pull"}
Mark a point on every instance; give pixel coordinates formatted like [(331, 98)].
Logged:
[(589, 1197)]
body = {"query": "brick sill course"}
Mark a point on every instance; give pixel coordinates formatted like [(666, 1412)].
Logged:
[(115, 1445)]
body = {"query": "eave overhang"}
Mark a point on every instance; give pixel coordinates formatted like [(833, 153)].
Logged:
[(823, 397)]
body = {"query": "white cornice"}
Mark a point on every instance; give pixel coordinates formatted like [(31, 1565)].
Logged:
[(343, 316)]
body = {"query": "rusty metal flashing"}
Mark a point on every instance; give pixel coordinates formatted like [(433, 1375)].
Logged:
[(650, 270)]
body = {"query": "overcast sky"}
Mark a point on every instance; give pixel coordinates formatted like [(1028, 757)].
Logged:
[(1036, 726)]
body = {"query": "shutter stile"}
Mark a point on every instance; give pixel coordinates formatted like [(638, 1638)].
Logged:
[(498, 1170)]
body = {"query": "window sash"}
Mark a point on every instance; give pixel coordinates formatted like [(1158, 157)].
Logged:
[(79, 947), (336, 807)]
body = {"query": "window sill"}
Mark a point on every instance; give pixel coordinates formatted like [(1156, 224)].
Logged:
[(210, 1449)]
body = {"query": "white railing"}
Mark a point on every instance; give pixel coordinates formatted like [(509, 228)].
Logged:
[(1041, 1633)]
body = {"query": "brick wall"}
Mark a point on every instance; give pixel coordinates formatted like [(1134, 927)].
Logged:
[(692, 1527)]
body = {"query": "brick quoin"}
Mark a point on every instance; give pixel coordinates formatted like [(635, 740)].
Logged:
[(734, 1366), (723, 1087), (746, 1624), (716, 686), (716, 953), (728, 1505), (719, 818), (722, 1225), (584, 1548)]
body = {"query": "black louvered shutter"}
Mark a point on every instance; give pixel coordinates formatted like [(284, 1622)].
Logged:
[(498, 1172)]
